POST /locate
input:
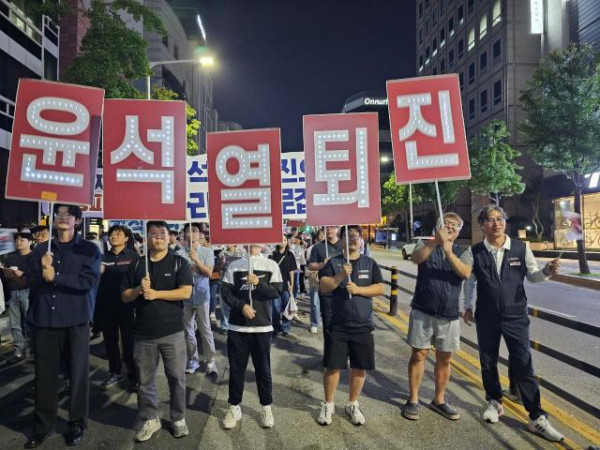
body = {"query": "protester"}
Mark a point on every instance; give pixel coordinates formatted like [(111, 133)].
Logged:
[(434, 319), (230, 254), (287, 266), (313, 284), (249, 288), (321, 253), (18, 303), (174, 241), (158, 328), (499, 264), (296, 246), (196, 309), (60, 310), (41, 234), (350, 333), (115, 317)]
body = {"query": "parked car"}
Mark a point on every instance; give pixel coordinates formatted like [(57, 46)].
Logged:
[(408, 248)]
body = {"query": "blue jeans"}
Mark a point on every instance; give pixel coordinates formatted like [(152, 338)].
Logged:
[(280, 323), (215, 291), (17, 313), (315, 306)]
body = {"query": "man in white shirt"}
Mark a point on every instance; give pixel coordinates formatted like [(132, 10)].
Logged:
[(499, 265)]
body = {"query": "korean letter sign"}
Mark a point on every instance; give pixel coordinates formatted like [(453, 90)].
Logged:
[(428, 131), (55, 138), (342, 168), (244, 186), (144, 157)]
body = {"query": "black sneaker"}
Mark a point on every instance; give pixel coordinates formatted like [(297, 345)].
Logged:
[(445, 410), (411, 411), (111, 380)]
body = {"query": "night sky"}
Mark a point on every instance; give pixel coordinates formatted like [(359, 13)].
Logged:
[(280, 59)]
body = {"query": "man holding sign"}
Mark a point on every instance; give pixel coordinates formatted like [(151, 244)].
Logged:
[(500, 264), (353, 280)]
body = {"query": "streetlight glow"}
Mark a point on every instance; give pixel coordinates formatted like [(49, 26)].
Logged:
[(207, 60)]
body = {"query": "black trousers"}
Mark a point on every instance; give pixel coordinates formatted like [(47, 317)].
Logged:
[(515, 331), (73, 344), (325, 303), (240, 346), (116, 319)]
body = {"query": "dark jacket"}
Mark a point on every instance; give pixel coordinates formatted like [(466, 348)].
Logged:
[(438, 287), (115, 269), (502, 295), (65, 301)]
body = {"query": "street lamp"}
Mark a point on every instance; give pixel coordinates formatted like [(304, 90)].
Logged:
[(203, 61)]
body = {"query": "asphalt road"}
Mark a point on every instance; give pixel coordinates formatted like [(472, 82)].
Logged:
[(576, 303)]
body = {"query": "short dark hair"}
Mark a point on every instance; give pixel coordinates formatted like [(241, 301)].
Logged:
[(356, 228), (173, 233), (157, 224), (194, 225), (122, 228), (74, 210), (24, 235), (486, 210), (39, 228)]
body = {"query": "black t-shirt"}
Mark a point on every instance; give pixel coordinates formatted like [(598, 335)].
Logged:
[(287, 264), (158, 318), (21, 262), (319, 253), (115, 269)]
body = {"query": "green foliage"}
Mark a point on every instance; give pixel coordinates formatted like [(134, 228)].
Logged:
[(51, 8), (493, 170), (112, 54), (394, 196), (192, 125), (449, 191), (562, 112)]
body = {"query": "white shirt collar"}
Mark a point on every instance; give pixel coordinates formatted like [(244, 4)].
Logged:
[(505, 246)]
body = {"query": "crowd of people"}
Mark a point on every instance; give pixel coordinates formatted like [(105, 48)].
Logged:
[(156, 306)]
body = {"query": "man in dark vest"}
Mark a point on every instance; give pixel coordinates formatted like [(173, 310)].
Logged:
[(499, 264), (434, 319)]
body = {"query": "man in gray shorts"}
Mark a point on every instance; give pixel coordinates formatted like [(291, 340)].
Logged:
[(435, 314)]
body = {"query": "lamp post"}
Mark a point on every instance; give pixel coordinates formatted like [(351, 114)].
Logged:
[(203, 61)]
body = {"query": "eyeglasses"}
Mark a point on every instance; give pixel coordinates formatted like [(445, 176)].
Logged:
[(450, 224), (492, 220)]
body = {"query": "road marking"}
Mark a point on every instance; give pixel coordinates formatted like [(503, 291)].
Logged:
[(568, 316), (587, 432)]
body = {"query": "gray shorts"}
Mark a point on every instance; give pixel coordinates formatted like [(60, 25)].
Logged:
[(425, 330)]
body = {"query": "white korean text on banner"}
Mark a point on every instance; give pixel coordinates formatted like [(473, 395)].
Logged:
[(293, 186), (197, 188)]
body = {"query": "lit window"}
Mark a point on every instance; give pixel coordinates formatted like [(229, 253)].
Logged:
[(421, 63), (442, 37), (434, 52), (451, 26), (496, 13), (471, 39), (483, 26), (461, 15)]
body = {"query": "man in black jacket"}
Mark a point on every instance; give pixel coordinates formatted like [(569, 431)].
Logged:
[(60, 310), (434, 318), (352, 286), (249, 287)]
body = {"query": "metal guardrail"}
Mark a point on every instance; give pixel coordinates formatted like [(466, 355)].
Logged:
[(582, 327)]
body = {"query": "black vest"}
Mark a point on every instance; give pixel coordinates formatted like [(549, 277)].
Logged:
[(438, 287), (504, 294)]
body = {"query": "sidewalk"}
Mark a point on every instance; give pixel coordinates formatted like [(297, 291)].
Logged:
[(297, 376)]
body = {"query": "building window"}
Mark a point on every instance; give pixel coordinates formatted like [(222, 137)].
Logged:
[(451, 58), (483, 101), (496, 13), (497, 50), (497, 92), (471, 39), (483, 62), (420, 9), (165, 41), (427, 26), (434, 45), (435, 72), (433, 17), (461, 81), (427, 55), (420, 35), (470, 6), (442, 6), (472, 109), (461, 48), (483, 26), (421, 63), (426, 3), (175, 52), (443, 66), (442, 37), (451, 26), (461, 14), (472, 73)]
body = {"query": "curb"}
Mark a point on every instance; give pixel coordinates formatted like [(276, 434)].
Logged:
[(577, 281)]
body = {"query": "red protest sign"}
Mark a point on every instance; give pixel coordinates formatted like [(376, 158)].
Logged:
[(55, 138), (428, 131), (244, 186), (342, 169), (144, 152)]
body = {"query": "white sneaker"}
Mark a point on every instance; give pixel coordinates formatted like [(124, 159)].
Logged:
[(493, 411), (192, 366), (356, 416), (211, 367), (148, 429), (213, 317), (180, 429), (542, 427), (313, 330), (327, 410), (233, 416), (266, 417)]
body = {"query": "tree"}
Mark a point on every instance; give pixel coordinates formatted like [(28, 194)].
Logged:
[(192, 125), (562, 118), (493, 169), (395, 200), (449, 191), (112, 54)]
